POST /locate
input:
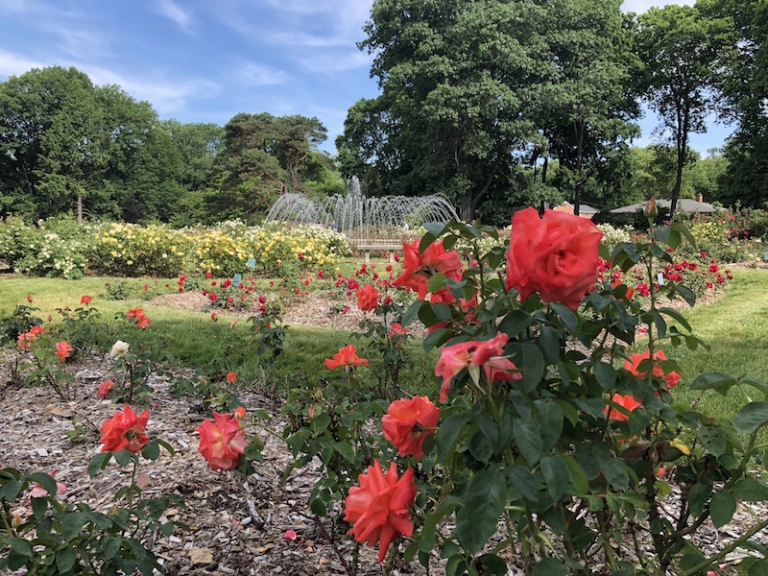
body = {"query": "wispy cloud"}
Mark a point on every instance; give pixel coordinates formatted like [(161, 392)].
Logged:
[(167, 95), (173, 11), (332, 62), (12, 64), (254, 74)]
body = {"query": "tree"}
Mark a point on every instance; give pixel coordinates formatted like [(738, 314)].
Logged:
[(262, 158), (680, 50), (453, 116), (585, 108), (743, 84), (47, 138)]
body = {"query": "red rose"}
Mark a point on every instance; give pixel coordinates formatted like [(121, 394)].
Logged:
[(104, 388), (378, 508), (367, 298), (222, 442), (628, 402), (346, 356), (633, 367), (85, 300), (408, 422), (63, 350), (555, 256), (125, 431), (420, 267)]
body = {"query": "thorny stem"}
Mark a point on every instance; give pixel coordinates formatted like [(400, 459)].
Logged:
[(610, 555)]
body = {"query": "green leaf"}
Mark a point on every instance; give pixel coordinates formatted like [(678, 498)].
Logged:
[(576, 474), (448, 435), (549, 567), (551, 424), (318, 507), (124, 457), (713, 440), (567, 316), (714, 381), (484, 501), (750, 490), (151, 451), (436, 282), (751, 417), (20, 546), (688, 295), (605, 374), (345, 450), (676, 315), (493, 564), (615, 472), (412, 312), (698, 496), (65, 559), (515, 322), (522, 479), (98, 463), (528, 439), (722, 508), (555, 476), (529, 360), (72, 524)]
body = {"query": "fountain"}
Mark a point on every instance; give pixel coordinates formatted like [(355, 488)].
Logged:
[(368, 223)]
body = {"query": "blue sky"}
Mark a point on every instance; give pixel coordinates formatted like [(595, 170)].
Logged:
[(205, 61)]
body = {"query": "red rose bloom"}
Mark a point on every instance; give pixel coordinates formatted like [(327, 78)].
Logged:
[(222, 442), (346, 356), (628, 402), (459, 356), (125, 431), (633, 367), (135, 314), (231, 377), (378, 508), (555, 256), (419, 268), (85, 300), (367, 298), (408, 422), (144, 323), (63, 350), (104, 388)]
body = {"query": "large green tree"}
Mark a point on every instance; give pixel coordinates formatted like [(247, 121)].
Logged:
[(681, 50), (742, 81), (585, 106), (262, 157), (454, 114)]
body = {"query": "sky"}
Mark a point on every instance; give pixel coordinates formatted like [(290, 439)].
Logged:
[(204, 61)]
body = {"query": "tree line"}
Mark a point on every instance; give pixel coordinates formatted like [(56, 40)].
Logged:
[(481, 99), (497, 104), (67, 146)]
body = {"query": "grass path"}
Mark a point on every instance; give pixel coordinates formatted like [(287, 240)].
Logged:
[(736, 329)]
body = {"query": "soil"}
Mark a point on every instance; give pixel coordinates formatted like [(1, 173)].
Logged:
[(238, 525)]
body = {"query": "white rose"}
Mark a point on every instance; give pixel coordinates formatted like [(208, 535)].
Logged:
[(119, 349)]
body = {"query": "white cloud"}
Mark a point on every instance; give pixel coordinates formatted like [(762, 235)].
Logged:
[(171, 10), (330, 62), (16, 64), (15, 5), (167, 95), (254, 74)]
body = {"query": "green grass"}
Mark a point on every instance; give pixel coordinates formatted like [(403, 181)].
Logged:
[(193, 337), (736, 329)]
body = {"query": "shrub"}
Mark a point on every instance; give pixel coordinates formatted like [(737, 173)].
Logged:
[(133, 250)]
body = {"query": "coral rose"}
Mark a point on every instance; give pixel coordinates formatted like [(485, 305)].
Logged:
[(629, 402), (104, 388), (346, 356), (408, 422), (378, 508), (125, 431), (418, 268), (135, 314), (231, 377), (367, 298), (85, 300), (63, 349), (222, 442), (555, 256), (633, 367), (459, 356)]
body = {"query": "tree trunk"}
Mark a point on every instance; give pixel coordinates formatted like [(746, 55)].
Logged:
[(681, 142), (79, 209)]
